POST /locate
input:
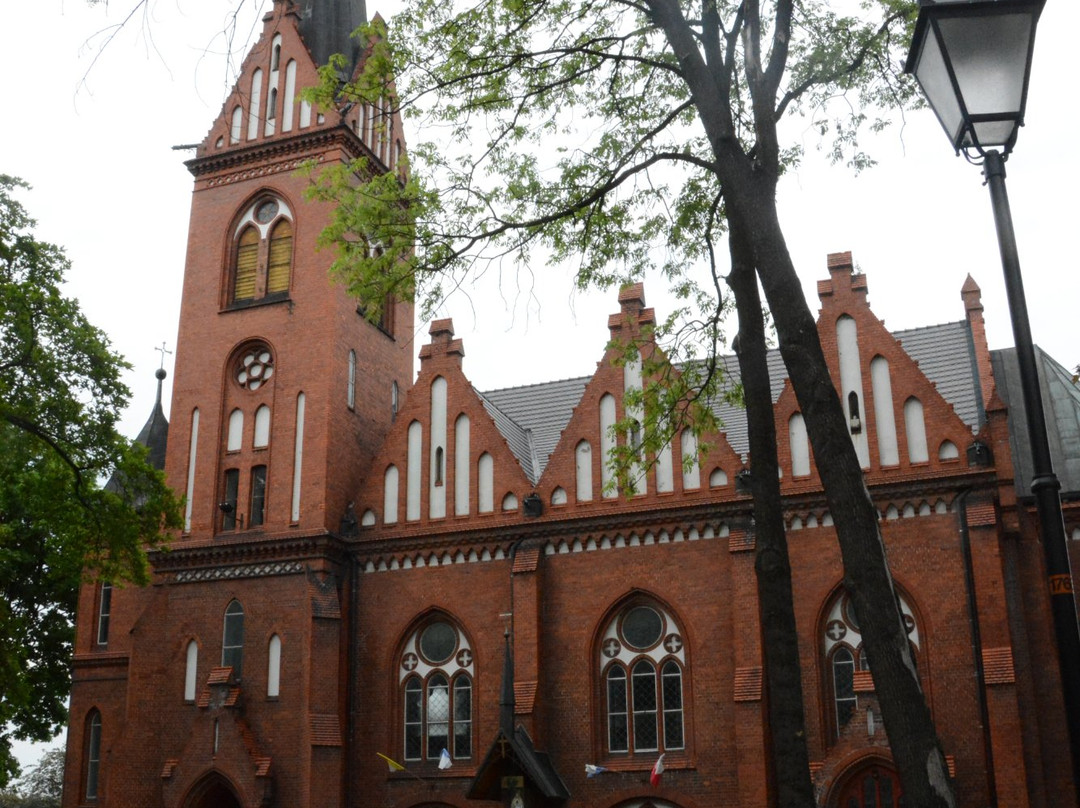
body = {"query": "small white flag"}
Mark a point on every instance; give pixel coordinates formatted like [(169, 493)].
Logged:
[(444, 760), (592, 770)]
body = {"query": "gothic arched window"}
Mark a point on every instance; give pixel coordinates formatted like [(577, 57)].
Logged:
[(436, 679), (847, 665), (93, 755), (232, 638), (262, 253), (642, 661)]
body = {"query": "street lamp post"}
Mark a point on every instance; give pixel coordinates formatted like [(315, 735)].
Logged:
[(972, 59)]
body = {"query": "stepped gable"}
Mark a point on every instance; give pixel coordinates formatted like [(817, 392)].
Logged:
[(490, 432)]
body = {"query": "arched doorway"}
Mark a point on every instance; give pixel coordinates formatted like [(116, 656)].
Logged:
[(213, 791), (872, 786)]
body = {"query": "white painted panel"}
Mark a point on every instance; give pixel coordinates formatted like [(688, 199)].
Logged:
[(915, 430), (437, 451), (235, 440), (462, 465), (485, 483), (665, 473), (273, 667), (632, 383), (289, 104), (691, 477), (305, 113), (390, 495), (191, 671), (607, 446), (412, 473), (190, 495), (847, 347), (256, 104), (583, 471), (298, 457), (884, 420), (237, 122), (800, 446), (262, 427)]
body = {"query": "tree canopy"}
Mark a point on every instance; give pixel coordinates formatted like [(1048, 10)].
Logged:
[(60, 397)]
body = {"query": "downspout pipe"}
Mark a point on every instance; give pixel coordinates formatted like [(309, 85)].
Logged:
[(960, 504)]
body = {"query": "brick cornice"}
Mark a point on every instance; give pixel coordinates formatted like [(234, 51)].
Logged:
[(226, 552), (275, 150)]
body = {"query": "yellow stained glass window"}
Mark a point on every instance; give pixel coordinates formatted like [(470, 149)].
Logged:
[(280, 264), (247, 261)]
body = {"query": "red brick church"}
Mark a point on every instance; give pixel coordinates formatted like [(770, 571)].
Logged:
[(376, 562)]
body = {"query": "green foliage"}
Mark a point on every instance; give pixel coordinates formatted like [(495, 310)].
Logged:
[(42, 786), (60, 397), (568, 131)]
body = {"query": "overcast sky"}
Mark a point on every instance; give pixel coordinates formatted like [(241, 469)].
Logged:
[(95, 142)]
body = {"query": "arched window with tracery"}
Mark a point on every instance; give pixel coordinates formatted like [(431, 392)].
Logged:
[(847, 665), (436, 677), (262, 253), (642, 661)]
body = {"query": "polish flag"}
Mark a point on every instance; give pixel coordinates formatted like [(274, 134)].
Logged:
[(657, 770)]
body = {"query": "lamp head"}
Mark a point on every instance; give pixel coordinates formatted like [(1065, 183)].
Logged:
[(972, 59)]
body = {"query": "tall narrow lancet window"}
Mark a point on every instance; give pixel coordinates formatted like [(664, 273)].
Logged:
[(247, 265), (390, 495), (847, 347), (232, 638), (350, 396), (258, 496), (279, 262), (298, 457), (437, 450), (230, 493), (93, 755), (412, 472), (189, 499), (642, 661), (104, 613), (436, 679)]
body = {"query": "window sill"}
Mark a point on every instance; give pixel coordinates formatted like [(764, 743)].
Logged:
[(254, 303)]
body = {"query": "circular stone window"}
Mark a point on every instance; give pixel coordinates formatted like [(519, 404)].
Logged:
[(266, 211), (437, 642), (642, 627), (255, 368)]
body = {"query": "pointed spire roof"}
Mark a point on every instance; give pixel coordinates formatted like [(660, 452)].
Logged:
[(327, 25), (155, 432)]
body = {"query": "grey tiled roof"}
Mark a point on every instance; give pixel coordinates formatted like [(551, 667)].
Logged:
[(532, 418), (946, 356)]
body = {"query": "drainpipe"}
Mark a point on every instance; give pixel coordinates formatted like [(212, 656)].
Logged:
[(976, 641), (352, 672)]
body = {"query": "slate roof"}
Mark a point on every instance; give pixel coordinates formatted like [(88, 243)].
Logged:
[(532, 417), (1061, 404), (327, 25)]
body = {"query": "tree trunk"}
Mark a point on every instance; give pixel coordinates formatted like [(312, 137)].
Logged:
[(912, 737), (790, 760)]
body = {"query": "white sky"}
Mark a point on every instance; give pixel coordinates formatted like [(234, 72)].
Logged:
[(109, 188)]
